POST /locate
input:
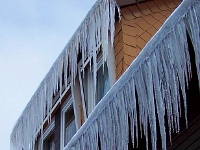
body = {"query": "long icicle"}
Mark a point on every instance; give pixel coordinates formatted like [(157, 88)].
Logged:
[(84, 41), (161, 49), (157, 75)]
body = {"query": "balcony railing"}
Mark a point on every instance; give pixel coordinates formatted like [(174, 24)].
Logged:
[(149, 90)]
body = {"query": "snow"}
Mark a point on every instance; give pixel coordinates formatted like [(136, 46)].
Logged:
[(152, 82)]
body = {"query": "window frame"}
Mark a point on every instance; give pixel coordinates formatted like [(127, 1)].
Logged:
[(66, 106), (88, 66), (48, 132)]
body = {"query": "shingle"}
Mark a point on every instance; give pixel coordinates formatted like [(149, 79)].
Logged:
[(144, 8), (118, 47), (150, 19), (138, 49), (119, 68), (143, 24), (146, 36), (128, 30), (138, 30), (157, 16), (126, 13), (168, 14), (129, 50), (135, 10), (152, 31), (120, 35), (161, 4), (163, 19), (129, 40), (165, 12), (119, 56), (157, 25), (128, 22), (177, 2), (152, 6), (118, 27), (128, 60), (125, 66), (170, 3), (141, 43), (116, 40)]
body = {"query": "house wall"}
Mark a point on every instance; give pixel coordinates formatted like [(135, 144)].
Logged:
[(138, 24)]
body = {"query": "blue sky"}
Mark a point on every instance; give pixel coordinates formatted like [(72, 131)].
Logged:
[(32, 35)]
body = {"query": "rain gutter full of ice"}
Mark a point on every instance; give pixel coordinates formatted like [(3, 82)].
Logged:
[(156, 75)]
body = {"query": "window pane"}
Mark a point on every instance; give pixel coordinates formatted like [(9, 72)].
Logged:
[(52, 146), (85, 88), (49, 143), (102, 86), (70, 126), (103, 82)]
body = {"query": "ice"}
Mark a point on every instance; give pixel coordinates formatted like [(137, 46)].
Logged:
[(145, 94), (158, 76), (93, 32)]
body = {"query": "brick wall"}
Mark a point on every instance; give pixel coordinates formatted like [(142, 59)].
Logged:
[(138, 25)]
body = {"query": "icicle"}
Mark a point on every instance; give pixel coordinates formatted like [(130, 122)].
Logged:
[(150, 98), (174, 85), (143, 107), (166, 68), (182, 59), (164, 78), (156, 76), (113, 5), (194, 30), (66, 66), (132, 109), (61, 76), (159, 100)]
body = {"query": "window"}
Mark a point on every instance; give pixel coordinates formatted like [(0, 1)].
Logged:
[(105, 78), (48, 137), (49, 144), (68, 126), (103, 84), (38, 143)]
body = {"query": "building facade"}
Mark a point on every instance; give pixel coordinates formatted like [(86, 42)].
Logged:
[(128, 79)]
